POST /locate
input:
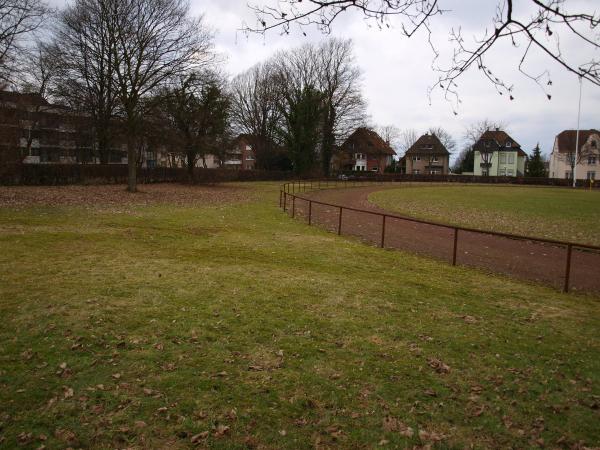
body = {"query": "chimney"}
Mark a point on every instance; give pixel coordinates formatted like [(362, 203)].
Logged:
[(497, 129)]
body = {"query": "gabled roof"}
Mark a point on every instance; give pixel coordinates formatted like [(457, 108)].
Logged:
[(498, 140), (428, 144), (364, 140), (566, 139)]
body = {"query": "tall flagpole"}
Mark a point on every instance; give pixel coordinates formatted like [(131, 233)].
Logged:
[(577, 138)]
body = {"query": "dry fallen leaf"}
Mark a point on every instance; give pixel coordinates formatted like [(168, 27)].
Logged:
[(431, 436), (199, 437), (67, 392), (221, 431), (438, 365)]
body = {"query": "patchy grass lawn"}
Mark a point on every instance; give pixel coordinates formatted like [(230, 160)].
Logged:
[(232, 326), (546, 212)]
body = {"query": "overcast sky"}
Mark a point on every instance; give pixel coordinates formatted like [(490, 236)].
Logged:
[(397, 71)]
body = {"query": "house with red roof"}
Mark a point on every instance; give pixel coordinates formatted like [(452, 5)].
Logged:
[(587, 157), (363, 151)]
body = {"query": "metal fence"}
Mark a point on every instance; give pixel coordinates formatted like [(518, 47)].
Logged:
[(563, 265)]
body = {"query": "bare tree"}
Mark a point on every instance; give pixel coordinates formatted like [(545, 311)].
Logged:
[(255, 109), (389, 133), (156, 40), (445, 138), (40, 70), (406, 139), (473, 133), (86, 39), (573, 157), (540, 28), (18, 20), (338, 79)]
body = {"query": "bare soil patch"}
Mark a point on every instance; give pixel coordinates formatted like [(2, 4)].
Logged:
[(104, 196)]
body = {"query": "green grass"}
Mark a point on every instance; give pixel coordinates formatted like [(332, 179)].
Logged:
[(554, 213), (177, 321)]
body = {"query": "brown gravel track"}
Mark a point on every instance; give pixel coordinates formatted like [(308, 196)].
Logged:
[(528, 260)]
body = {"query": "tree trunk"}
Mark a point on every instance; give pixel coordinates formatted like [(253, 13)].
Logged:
[(191, 159), (131, 163), (328, 141)]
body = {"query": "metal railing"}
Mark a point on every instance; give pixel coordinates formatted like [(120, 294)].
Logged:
[(289, 197)]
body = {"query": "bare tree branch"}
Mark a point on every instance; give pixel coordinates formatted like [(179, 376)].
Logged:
[(539, 31)]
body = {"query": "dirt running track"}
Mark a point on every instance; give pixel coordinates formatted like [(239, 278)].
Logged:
[(523, 259)]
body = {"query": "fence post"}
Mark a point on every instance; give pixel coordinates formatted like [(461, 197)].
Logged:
[(340, 222), (383, 232), (309, 212), (280, 198), (293, 206), (568, 268), (285, 201), (455, 246)]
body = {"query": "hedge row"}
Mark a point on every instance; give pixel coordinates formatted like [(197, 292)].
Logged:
[(63, 174)]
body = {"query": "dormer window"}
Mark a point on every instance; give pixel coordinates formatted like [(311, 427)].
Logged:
[(593, 144), (508, 143)]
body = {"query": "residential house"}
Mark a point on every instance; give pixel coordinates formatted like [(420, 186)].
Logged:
[(241, 154), (588, 155), (34, 131), (427, 156), (363, 151), (499, 155)]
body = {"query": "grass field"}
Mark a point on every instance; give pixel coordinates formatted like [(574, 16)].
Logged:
[(555, 213), (222, 323)]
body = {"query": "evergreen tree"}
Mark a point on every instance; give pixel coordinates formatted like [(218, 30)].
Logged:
[(465, 161), (536, 166), (302, 113)]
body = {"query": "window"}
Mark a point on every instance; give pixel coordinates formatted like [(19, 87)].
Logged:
[(511, 158), (435, 159), (435, 172), (416, 158), (248, 147), (509, 172), (360, 156), (508, 144), (502, 172), (416, 171), (592, 160), (593, 144), (591, 175), (249, 158), (502, 158)]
